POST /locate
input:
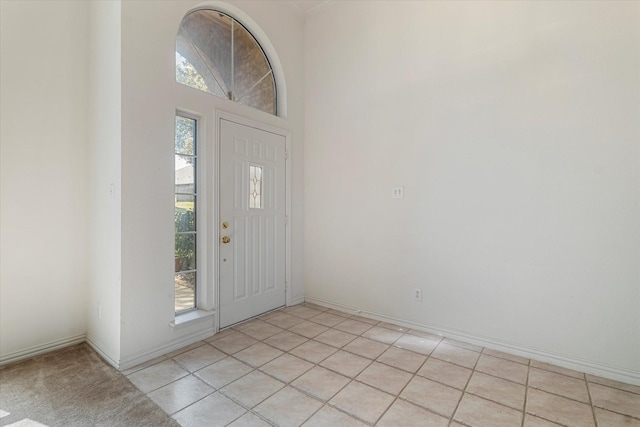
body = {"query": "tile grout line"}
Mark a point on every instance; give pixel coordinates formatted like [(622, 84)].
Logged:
[(617, 387), (564, 397), (526, 394), (447, 385), (593, 409), (397, 396), (525, 385), (371, 360), (326, 403), (351, 380), (190, 374), (464, 390), (242, 405), (215, 390), (317, 364), (323, 403)]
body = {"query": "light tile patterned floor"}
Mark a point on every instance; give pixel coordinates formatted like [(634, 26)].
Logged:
[(309, 365)]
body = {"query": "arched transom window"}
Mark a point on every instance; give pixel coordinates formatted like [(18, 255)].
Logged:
[(216, 54)]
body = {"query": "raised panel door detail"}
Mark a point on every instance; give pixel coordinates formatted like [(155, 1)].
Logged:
[(252, 201)]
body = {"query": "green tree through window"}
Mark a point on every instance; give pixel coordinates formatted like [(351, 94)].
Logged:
[(188, 75)]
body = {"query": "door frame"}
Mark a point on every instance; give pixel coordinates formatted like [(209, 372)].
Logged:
[(220, 115)]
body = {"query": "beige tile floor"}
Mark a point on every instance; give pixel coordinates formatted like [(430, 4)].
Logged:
[(312, 366)]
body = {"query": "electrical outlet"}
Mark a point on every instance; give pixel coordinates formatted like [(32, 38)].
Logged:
[(417, 295), (397, 192)]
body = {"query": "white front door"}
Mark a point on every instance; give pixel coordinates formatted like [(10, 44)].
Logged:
[(252, 221)]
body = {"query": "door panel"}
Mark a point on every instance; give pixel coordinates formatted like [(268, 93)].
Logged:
[(252, 203)]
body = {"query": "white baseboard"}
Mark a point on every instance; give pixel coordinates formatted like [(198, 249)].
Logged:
[(594, 368), (41, 349), (121, 365), (106, 356), (296, 301), (167, 347)]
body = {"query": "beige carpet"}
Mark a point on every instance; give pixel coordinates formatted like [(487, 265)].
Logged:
[(74, 387)]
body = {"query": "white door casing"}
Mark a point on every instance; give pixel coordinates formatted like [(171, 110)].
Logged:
[(252, 262)]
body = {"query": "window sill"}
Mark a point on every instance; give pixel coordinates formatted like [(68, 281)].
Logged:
[(192, 318)]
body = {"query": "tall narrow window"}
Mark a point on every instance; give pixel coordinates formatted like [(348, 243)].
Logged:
[(185, 214), (216, 54)]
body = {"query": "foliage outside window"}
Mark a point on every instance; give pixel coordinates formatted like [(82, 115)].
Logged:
[(187, 74), (216, 54), (185, 215)]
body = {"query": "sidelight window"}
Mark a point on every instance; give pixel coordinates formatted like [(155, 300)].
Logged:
[(185, 214)]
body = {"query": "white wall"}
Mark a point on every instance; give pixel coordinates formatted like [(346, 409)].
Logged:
[(43, 184), (103, 303), (515, 129), (150, 98), (88, 104)]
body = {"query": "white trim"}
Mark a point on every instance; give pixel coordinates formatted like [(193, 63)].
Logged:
[(162, 349), (594, 368), (105, 356), (218, 116), (296, 301), (204, 299), (263, 41), (191, 318), (124, 364), (41, 349)]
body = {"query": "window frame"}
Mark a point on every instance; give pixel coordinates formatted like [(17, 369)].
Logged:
[(208, 110), (266, 53), (197, 210)]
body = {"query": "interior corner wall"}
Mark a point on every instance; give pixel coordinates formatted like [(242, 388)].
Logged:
[(103, 303), (514, 128), (43, 176), (150, 98)]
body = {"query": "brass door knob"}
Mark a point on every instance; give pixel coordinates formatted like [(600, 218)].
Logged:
[(226, 239)]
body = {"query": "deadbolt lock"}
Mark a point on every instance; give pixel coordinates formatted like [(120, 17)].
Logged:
[(225, 225), (226, 239)]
